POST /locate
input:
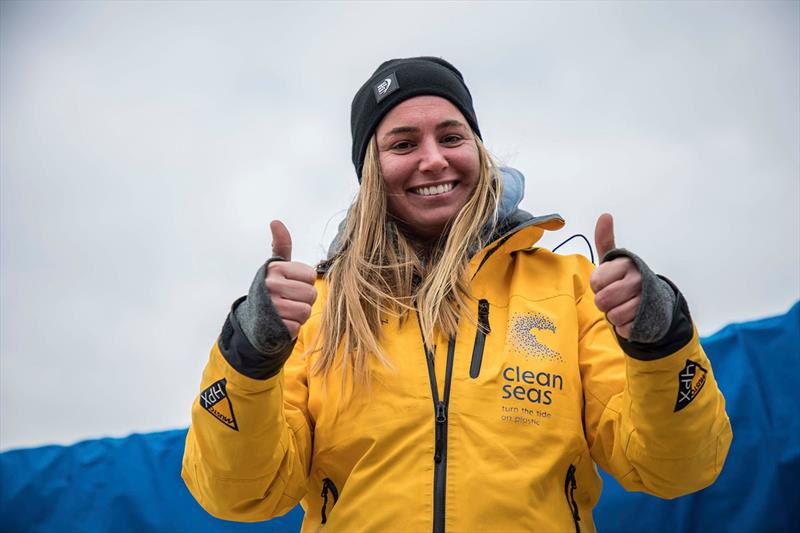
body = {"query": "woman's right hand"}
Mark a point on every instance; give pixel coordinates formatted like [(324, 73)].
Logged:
[(290, 284)]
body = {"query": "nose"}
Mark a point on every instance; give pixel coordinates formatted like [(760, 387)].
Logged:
[(432, 159)]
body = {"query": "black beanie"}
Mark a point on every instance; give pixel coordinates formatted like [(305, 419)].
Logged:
[(397, 80)]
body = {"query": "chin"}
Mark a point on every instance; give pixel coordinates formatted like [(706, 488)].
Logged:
[(429, 229)]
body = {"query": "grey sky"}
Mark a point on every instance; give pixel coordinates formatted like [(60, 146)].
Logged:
[(145, 146)]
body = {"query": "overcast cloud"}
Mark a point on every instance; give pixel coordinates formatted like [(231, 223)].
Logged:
[(145, 146)]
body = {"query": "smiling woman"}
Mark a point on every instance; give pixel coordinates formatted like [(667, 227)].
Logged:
[(438, 371)]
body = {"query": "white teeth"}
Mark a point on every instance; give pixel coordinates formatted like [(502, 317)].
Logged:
[(437, 189)]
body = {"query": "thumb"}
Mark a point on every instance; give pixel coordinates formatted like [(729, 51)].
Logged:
[(281, 240), (604, 235)]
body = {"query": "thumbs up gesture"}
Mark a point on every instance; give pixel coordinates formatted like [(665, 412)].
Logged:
[(290, 284), (617, 284)]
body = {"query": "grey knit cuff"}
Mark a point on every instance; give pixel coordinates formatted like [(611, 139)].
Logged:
[(656, 308), (260, 322)]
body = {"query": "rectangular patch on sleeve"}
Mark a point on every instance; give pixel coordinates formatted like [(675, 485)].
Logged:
[(215, 400), (690, 380)]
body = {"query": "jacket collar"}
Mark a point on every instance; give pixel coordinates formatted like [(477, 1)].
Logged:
[(523, 231)]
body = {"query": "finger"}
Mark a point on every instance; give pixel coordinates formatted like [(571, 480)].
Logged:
[(297, 271), (619, 292), (281, 240), (622, 314), (609, 272), (279, 272), (604, 235), (625, 331), (292, 270), (293, 327), (292, 310), (298, 291)]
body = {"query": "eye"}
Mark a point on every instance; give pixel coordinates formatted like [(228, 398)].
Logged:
[(452, 138), (402, 146)]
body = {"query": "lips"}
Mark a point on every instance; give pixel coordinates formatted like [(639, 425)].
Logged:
[(433, 190)]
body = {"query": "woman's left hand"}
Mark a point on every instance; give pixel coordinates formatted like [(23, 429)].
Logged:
[(617, 284)]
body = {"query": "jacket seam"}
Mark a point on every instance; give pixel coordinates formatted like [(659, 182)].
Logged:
[(714, 442), (628, 442), (242, 479), (627, 474), (604, 404), (517, 295), (299, 428)]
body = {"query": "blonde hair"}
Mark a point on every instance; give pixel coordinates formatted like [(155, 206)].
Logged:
[(373, 273)]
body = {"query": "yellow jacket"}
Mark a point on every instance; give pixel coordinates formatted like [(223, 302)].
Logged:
[(500, 430)]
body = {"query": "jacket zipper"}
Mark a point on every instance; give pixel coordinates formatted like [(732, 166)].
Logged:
[(569, 492), (480, 338), (327, 485), (440, 420)]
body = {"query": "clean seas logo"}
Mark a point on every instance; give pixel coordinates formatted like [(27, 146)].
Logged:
[(385, 87), (215, 400), (690, 381), (524, 340), (531, 386)]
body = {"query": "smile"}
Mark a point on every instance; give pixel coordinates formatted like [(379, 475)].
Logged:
[(433, 189)]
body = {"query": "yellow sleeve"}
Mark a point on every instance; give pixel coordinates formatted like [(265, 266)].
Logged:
[(657, 426), (249, 446)]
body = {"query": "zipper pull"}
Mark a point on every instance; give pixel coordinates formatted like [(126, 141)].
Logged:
[(324, 499), (441, 413), (327, 484), (483, 316), (571, 501), (441, 418)]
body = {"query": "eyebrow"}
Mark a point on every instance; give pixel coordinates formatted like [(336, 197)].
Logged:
[(412, 129), (449, 124)]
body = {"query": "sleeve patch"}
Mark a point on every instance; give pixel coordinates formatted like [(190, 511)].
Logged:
[(690, 380), (215, 400)]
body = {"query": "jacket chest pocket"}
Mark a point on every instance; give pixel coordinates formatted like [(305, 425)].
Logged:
[(481, 332)]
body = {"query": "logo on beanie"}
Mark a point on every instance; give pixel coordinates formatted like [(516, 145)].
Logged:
[(690, 380), (383, 87), (387, 86)]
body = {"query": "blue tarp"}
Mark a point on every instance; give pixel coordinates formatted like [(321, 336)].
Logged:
[(133, 484)]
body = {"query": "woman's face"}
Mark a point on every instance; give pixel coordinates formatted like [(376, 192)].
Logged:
[(429, 162)]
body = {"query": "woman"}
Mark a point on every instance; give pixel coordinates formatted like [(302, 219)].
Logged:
[(439, 371)]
